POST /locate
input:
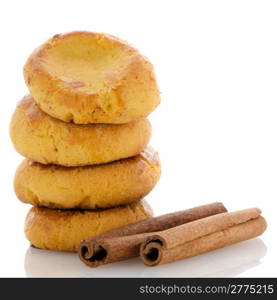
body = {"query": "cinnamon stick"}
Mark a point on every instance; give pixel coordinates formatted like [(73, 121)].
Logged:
[(201, 236), (124, 242)]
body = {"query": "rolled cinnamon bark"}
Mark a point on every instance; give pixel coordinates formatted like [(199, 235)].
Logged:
[(124, 242), (201, 236)]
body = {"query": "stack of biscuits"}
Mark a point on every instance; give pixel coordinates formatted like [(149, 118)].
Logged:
[(84, 134)]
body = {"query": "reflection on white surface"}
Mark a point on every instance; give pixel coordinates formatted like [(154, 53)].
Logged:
[(226, 262)]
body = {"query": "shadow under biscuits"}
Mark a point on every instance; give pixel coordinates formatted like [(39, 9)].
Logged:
[(226, 262), (45, 263)]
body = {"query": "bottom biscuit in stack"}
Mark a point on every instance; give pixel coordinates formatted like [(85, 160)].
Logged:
[(62, 230)]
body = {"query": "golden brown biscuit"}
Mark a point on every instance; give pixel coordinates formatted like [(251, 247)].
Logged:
[(88, 77), (89, 187), (44, 139), (62, 230)]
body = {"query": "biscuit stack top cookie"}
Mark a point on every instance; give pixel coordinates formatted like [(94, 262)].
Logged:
[(84, 134), (88, 78)]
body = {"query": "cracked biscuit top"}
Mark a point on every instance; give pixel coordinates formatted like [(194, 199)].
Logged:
[(87, 77)]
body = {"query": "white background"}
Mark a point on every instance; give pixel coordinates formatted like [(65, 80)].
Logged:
[(215, 130)]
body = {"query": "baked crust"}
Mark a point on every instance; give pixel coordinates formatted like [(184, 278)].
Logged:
[(47, 140), (88, 77), (62, 230), (90, 187)]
